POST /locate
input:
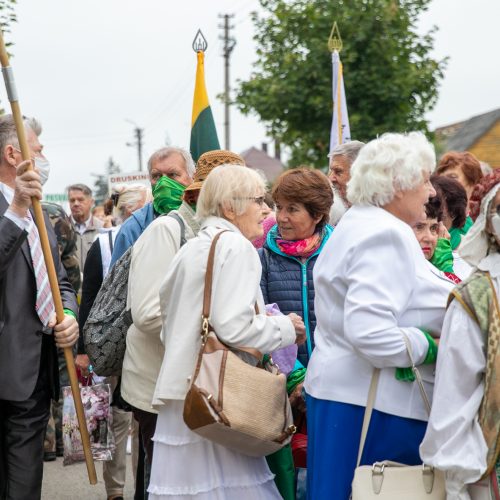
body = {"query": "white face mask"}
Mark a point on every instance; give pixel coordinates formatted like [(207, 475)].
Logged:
[(495, 224), (43, 167)]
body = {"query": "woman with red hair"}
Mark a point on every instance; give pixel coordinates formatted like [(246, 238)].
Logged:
[(463, 166)]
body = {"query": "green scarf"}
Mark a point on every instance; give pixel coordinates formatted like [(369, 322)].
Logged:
[(167, 195), (456, 233), (443, 256)]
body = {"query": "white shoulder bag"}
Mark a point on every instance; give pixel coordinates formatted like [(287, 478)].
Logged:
[(390, 480)]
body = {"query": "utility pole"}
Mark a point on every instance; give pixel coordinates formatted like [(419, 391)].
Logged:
[(138, 136), (229, 43), (138, 142)]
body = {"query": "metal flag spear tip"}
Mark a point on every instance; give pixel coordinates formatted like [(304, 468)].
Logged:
[(47, 255), (334, 41), (200, 43)]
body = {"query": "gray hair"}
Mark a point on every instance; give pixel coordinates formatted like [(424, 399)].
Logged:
[(129, 196), (8, 133), (228, 187), (163, 153), (80, 187), (349, 150), (391, 163)]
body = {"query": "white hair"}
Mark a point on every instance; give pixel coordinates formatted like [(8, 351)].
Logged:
[(163, 153), (390, 163), (129, 197), (229, 187)]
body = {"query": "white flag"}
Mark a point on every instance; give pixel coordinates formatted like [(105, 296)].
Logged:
[(340, 131)]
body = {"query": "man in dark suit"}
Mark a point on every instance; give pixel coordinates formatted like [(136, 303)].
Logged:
[(28, 330)]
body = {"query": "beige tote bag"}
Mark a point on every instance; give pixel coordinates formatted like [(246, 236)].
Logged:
[(231, 402)]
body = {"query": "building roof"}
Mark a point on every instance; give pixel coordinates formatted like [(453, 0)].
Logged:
[(462, 135), (260, 160)]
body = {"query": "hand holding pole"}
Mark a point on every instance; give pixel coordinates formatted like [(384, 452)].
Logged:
[(47, 254)]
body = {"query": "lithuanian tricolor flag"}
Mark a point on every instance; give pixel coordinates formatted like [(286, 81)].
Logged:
[(203, 131)]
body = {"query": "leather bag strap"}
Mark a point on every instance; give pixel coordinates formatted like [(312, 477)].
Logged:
[(207, 294), (418, 377), (368, 412), (373, 391)]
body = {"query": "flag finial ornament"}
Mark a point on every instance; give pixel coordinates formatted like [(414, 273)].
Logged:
[(200, 42), (334, 41)]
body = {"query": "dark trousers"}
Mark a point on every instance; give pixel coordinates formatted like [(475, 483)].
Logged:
[(147, 426), (22, 431)]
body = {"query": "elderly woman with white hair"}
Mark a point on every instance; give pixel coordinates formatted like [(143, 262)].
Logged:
[(463, 435), (373, 287), (185, 465)]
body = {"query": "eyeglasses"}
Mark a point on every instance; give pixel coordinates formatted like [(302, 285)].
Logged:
[(258, 199)]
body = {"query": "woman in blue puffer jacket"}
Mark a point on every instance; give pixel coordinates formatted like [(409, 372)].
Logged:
[(303, 198)]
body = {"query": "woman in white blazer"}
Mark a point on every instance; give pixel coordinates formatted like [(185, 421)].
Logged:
[(373, 285), (186, 465)]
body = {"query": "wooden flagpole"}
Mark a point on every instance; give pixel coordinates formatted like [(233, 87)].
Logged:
[(47, 255)]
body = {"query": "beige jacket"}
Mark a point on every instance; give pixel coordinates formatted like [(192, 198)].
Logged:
[(84, 242), (151, 256)]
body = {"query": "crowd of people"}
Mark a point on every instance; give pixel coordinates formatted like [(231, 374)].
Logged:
[(361, 284)]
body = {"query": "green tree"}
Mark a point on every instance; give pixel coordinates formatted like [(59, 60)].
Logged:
[(391, 81), (101, 192)]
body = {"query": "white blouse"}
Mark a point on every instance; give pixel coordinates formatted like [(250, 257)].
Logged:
[(454, 440), (236, 289), (373, 284)]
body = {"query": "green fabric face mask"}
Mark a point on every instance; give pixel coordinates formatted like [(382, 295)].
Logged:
[(167, 195)]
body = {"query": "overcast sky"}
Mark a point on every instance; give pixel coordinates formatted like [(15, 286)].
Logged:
[(86, 67)]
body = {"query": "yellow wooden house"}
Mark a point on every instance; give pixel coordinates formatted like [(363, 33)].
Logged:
[(480, 135)]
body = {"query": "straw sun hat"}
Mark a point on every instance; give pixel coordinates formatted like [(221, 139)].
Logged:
[(208, 161)]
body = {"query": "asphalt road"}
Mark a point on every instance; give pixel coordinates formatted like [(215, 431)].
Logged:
[(72, 483)]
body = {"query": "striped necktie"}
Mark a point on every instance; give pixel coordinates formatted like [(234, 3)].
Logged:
[(44, 303)]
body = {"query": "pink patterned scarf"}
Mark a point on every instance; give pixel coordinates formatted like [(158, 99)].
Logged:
[(301, 248)]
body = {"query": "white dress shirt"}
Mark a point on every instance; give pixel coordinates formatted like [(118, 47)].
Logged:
[(454, 440), (373, 284), (81, 227)]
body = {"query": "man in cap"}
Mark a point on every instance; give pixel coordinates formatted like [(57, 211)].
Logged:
[(152, 254)]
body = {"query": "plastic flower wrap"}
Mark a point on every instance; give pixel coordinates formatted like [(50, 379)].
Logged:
[(96, 401), (285, 357)]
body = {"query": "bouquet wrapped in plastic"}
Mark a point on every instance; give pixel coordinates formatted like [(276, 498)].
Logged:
[(96, 401), (286, 356)]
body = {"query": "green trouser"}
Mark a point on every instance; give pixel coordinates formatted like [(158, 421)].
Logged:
[(281, 465)]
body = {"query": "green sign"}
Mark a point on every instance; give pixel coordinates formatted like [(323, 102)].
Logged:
[(55, 198)]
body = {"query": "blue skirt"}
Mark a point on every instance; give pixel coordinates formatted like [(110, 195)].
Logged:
[(334, 432)]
